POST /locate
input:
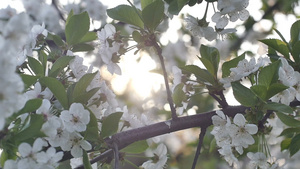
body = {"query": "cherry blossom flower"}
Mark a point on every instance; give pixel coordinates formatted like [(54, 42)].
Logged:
[(258, 159), (50, 159), (76, 118), (159, 159), (241, 132), (285, 97), (192, 24), (221, 122), (109, 48), (75, 144), (287, 75), (226, 152)]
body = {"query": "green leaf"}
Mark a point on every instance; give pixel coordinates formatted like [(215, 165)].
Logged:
[(31, 106), (71, 13), (278, 45), (136, 147), (110, 124), (36, 66), (289, 131), (202, 75), (43, 58), (285, 144), (231, 64), (178, 95), (127, 14), (66, 164), (91, 133), (210, 57), (82, 47), (295, 145), (59, 65), (244, 95), (288, 120), (85, 97), (77, 27), (88, 37), (295, 33), (176, 5), (145, 3), (296, 52), (269, 74), (137, 36), (57, 89), (56, 39), (278, 107), (274, 89), (260, 91), (32, 130), (82, 84), (86, 161), (153, 19), (28, 80)]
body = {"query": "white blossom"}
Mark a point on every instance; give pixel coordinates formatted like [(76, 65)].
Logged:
[(76, 118), (287, 75), (258, 159), (160, 156), (241, 132), (75, 144), (285, 97)]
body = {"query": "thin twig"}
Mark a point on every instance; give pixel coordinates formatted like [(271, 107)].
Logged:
[(58, 10), (169, 95), (116, 153), (201, 137)]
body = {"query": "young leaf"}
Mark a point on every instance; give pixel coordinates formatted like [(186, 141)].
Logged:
[(110, 124), (82, 84), (30, 106), (59, 65), (152, 19), (210, 57), (88, 37), (36, 66), (295, 145), (230, 64), (260, 91), (269, 74), (82, 47), (288, 120), (244, 95), (289, 131), (127, 14), (91, 132), (86, 161), (136, 147), (28, 80), (285, 144), (85, 97), (77, 27), (32, 130), (278, 45), (278, 107), (178, 95), (56, 39), (274, 89), (145, 3), (57, 89), (295, 33), (202, 75), (176, 5)]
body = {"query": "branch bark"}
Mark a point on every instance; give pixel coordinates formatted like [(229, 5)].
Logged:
[(128, 137)]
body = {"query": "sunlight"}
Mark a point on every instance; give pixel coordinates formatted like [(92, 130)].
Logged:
[(137, 75)]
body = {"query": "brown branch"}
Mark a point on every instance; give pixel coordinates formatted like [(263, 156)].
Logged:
[(128, 137), (201, 137), (161, 58)]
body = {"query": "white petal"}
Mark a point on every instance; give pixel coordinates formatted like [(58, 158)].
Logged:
[(239, 119), (251, 128), (24, 149)]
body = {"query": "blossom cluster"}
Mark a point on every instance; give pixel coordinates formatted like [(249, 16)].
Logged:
[(229, 10), (232, 136)]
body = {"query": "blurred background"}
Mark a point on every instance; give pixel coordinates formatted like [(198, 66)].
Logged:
[(141, 85)]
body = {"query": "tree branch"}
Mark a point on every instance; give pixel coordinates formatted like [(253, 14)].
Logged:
[(128, 137), (201, 137), (161, 58)]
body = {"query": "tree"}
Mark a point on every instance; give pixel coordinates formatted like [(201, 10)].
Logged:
[(56, 110)]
